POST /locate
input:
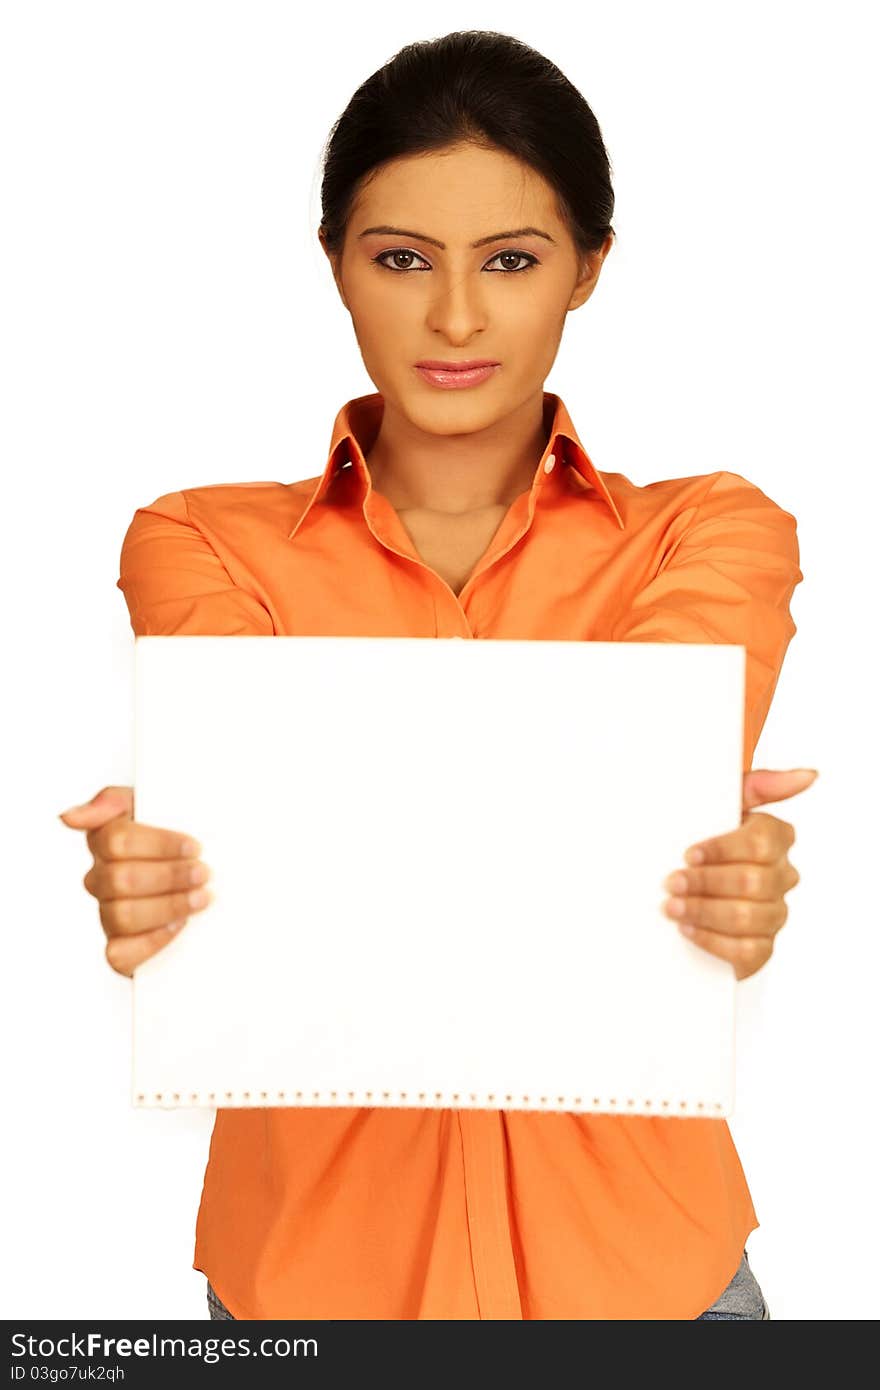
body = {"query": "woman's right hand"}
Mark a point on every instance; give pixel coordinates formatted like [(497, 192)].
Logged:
[(141, 876)]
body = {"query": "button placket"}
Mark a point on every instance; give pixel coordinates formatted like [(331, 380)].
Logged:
[(494, 1267)]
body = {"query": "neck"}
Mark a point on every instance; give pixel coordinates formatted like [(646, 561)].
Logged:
[(457, 473)]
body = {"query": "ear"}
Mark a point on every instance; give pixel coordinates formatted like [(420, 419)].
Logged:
[(334, 260), (591, 265)]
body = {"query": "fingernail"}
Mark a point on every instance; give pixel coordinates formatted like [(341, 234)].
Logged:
[(175, 926), (812, 771), (676, 883), (85, 805)]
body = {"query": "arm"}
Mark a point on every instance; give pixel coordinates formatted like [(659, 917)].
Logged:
[(729, 579), (174, 582), (142, 876)]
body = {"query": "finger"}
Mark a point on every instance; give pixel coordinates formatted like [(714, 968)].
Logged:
[(107, 880), (108, 802), (760, 839), (129, 916), (758, 881), (125, 953), (123, 838), (747, 954), (761, 785), (736, 917), (763, 882)]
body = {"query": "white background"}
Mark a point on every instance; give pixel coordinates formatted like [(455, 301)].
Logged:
[(169, 320)]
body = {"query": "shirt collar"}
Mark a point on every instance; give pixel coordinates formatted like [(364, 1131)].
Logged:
[(357, 424)]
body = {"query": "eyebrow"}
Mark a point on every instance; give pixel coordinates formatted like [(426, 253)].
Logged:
[(483, 241)]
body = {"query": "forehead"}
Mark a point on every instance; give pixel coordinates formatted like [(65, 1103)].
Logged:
[(462, 188)]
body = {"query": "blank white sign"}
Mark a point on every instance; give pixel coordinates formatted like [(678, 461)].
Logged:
[(437, 872)]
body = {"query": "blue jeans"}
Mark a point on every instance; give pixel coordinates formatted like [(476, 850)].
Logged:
[(742, 1299)]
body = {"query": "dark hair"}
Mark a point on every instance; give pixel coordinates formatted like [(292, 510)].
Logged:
[(480, 87)]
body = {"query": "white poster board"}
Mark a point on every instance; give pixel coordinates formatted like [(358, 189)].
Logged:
[(437, 872)]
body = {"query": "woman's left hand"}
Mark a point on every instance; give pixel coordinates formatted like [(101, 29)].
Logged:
[(733, 904)]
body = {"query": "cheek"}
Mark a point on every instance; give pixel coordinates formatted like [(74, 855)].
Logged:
[(529, 318), (538, 309), (536, 330), (381, 320)]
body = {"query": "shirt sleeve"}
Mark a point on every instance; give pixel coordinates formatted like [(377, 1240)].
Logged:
[(729, 579), (175, 583)]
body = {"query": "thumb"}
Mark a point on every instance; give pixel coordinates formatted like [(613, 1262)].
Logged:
[(107, 803), (763, 785)]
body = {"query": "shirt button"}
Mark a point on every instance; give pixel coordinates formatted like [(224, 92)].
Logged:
[(549, 462)]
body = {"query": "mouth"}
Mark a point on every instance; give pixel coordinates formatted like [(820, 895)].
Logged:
[(456, 374), (470, 365)]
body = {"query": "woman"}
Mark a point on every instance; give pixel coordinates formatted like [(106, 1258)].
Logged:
[(466, 211)]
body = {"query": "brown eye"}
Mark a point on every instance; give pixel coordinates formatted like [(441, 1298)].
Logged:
[(516, 256), (396, 268), (406, 255)]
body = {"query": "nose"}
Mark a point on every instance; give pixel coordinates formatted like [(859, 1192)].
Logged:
[(458, 307)]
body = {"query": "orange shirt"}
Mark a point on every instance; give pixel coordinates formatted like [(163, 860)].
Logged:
[(373, 1213)]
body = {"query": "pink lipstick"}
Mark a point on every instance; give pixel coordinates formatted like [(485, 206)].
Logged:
[(455, 375)]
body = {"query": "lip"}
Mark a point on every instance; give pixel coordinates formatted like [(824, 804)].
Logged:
[(455, 376), (436, 365)]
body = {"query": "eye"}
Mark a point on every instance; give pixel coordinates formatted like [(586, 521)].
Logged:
[(508, 255), (517, 255), (380, 259)]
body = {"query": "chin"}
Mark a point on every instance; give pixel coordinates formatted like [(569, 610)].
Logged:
[(447, 412)]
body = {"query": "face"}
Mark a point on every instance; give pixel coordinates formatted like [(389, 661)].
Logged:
[(506, 299)]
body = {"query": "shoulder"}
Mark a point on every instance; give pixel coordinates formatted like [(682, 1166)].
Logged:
[(700, 507), (703, 493), (229, 511)]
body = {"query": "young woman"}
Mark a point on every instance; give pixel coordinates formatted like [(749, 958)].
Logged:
[(466, 212)]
